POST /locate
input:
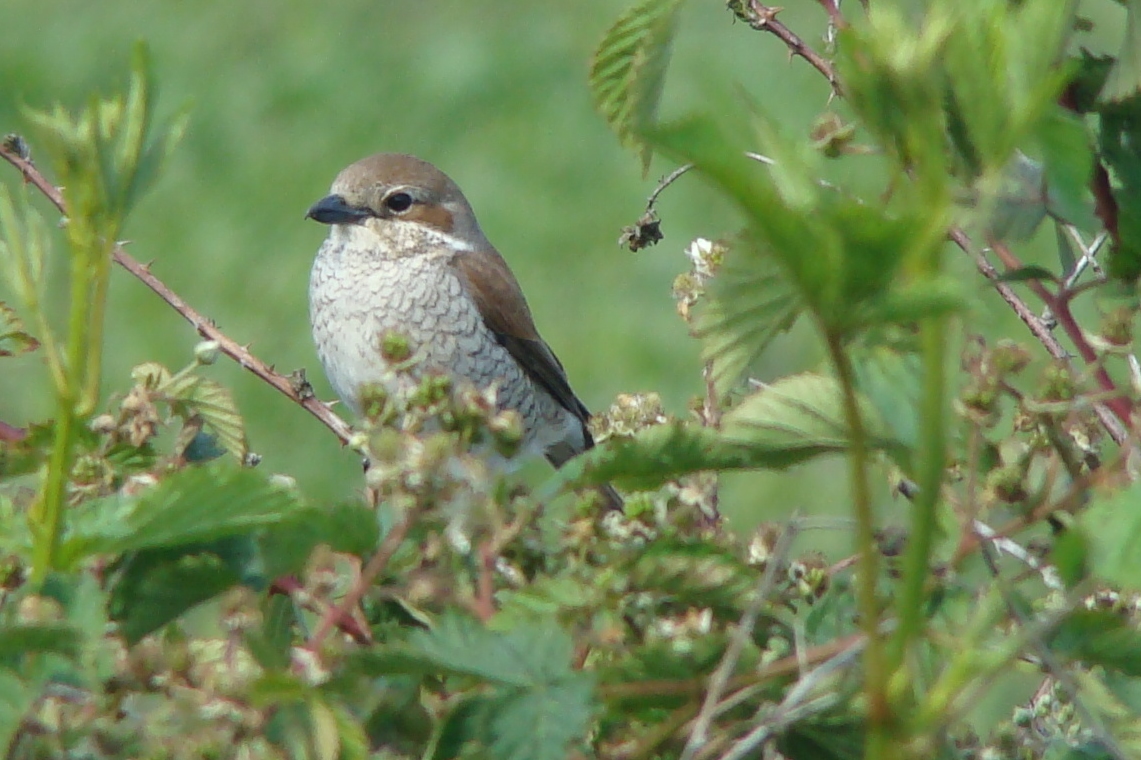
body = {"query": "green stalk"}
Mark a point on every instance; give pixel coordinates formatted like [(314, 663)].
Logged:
[(76, 391), (97, 311), (879, 746), (46, 514), (929, 476)]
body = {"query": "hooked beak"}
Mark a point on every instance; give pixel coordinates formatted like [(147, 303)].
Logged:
[(334, 209)]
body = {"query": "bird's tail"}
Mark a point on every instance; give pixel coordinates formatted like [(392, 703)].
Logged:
[(561, 452)]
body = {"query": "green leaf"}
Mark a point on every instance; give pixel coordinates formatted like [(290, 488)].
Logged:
[(783, 424), (1119, 138), (1112, 524), (750, 303), (540, 702), (530, 655), (194, 396), (189, 506), (270, 643), (545, 597), (348, 528), (649, 458), (809, 253), (906, 304), (24, 246), (1067, 153), (1099, 637), (892, 80), (1019, 204), (797, 418), (1071, 556), (1030, 273), (1001, 64), (538, 724), (215, 404), (534, 653), (1124, 80), (463, 724), (628, 71), (890, 378), (1067, 254), (16, 699), (840, 256), (19, 640), (154, 587)]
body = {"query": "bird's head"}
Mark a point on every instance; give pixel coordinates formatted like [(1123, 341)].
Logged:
[(391, 194)]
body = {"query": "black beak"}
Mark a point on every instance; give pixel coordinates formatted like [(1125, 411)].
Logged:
[(334, 209)]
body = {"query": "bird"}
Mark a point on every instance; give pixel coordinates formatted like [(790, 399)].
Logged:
[(406, 254)]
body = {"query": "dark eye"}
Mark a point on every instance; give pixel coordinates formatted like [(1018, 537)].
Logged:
[(398, 202)]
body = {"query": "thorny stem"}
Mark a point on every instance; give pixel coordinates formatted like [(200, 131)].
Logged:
[(1117, 431), (1060, 308), (666, 181), (763, 18), (201, 324)]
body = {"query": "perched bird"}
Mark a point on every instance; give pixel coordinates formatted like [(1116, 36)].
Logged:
[(405, 254)]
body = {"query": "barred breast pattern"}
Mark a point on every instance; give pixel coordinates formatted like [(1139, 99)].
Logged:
[(356, 296)]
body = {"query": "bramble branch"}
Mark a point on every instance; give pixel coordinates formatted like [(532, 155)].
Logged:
[(1109, 419), (1060, 308), (763, 18), (296, 391)]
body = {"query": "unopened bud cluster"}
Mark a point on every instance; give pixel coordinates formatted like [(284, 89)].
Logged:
[(629, 413), (1047, 417)]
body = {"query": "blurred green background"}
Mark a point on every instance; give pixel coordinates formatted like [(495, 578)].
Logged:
[(285, 94)]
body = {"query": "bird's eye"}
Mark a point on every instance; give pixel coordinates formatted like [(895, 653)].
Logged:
[(398, 202)]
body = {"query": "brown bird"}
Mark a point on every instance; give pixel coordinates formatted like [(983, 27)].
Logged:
[(405, 254)]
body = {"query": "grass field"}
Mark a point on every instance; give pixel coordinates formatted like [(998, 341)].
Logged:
[(284, 94)]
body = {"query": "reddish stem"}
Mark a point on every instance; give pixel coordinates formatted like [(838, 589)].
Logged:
[(1060, 308)]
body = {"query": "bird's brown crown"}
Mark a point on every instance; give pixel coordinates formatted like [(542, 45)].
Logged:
[(391, 186)]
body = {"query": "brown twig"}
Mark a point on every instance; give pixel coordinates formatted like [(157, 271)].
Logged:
[(201, 324), (666, 181), (1116, 429), (484, 603), (335, 615), (834, 16), (289, 586), (1060, 308), (763, 18)]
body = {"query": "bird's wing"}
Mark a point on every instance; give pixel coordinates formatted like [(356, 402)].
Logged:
[(499, 299)]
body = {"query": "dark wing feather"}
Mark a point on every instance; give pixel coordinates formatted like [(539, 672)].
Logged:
[(499, 299)]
